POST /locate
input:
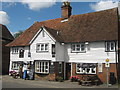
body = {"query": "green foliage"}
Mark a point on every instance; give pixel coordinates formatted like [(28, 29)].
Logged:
[(60, 79), (18, 33)]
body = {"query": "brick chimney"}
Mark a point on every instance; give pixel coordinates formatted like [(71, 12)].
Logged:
[(66, 10)]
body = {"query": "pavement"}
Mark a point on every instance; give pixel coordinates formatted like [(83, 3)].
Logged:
[(10, 82)]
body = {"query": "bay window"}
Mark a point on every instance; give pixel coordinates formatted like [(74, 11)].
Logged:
[(42, 67)]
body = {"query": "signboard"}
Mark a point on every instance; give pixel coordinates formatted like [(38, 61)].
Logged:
[(100, 67), (107, 65)]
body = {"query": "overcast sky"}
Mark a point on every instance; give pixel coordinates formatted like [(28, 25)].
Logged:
[(21, 15)]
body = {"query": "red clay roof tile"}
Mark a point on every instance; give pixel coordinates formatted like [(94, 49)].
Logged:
[(96, 26)]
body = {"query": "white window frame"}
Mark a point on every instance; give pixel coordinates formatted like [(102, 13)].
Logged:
[(84, 71), (109, 49), (39, 47), (15, 50), (15, 66), (76, 47), (39, 67)]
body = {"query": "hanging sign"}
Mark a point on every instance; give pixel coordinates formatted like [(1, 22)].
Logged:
[(107, 63)]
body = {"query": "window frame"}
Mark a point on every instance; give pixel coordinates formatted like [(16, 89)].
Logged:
[(114, 43), (21, 54), (80, 48), (44, 47), (15, 50), (95, 69), (40, 65), (15, 65)]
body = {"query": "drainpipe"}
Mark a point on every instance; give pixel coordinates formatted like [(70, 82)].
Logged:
[(116, 55), (71, 69), (63, 44)]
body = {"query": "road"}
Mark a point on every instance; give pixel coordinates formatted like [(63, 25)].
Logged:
[(9, 82)]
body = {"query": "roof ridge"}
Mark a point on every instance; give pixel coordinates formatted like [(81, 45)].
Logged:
[(94, 12)]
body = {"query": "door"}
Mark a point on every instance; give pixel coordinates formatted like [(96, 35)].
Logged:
[(68, 70)]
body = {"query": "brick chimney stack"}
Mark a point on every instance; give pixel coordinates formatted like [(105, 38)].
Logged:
[(66, 10)]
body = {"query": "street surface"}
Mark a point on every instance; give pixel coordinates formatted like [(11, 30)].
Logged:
[(9, 82)]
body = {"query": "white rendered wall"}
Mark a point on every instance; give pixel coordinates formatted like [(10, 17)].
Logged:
[(15, 57), (95, 53), (42, 55)]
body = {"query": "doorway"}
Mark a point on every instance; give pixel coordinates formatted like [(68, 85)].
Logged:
[(68, 71)]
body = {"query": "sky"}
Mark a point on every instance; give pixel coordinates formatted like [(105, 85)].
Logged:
[(21, 14)]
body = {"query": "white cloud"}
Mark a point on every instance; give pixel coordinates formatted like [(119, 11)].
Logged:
[(4, 19), (35, 5), (103, 5)]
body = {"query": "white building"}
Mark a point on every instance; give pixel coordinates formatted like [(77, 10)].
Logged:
[(69, 46)]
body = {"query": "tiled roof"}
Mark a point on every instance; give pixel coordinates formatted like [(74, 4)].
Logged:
[(96, 26), (5, 33)]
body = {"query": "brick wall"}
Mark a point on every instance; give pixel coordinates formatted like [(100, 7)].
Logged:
[(101, 75), (51, 76)]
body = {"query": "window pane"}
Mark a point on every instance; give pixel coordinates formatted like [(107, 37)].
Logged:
[(78, 47), (46, 67), (73, 47), (93, 70), (112, 46), (38, 47), (108, 46), (42, 47), (42, 66), (46, 47), (82, 47)]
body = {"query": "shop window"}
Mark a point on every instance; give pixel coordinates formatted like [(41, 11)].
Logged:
[(42, 67), (85, 68), (78, 47)]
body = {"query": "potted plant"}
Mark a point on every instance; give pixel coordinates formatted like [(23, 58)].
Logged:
[(74, 78), (14, 74), (60, 79)]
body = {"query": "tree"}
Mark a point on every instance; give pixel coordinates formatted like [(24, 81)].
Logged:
[(18, 33)]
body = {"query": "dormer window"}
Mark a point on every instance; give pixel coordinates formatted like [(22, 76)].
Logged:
[(14, 50), (42, 47), (80, 47), (110, 46)]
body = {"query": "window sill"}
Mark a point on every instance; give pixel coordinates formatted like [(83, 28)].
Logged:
[(14, 69), (42, 51), (86, 73), (110, 51), (41, 73), (78, 52), (14, 53)]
